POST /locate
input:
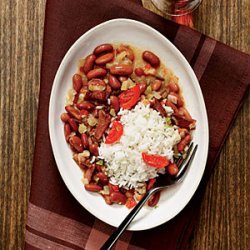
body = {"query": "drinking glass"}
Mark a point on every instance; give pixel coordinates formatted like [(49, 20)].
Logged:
[(176, 7)]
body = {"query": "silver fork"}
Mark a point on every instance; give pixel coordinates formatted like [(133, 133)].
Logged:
[(163, 181)]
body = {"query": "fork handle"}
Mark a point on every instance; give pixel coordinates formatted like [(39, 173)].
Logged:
[(116, 234)]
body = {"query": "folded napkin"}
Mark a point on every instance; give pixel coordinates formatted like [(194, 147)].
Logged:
[(55, 219)]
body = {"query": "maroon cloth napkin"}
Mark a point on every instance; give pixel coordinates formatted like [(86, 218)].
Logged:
[(55, 219)]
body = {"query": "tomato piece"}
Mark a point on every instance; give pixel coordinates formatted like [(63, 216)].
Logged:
[(156, 161), (114, 188), (126, 96), (151, 183), (115, 133), (130, 97), (130, 203)]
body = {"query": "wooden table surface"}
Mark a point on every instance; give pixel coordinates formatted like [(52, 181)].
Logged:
[(225, 212)]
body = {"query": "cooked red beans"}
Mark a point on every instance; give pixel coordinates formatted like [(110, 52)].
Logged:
[(107, 79)]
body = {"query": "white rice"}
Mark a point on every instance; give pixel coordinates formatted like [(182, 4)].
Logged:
[(144, 131)]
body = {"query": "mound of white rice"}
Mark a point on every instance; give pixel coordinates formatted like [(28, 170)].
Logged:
[(144, 131)]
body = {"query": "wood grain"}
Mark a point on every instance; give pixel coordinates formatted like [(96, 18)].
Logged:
[(224, 218), (21, 29)]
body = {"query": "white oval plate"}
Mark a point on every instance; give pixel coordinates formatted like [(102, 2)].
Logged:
[(174, 199)]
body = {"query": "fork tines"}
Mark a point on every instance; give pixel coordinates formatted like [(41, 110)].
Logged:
[(184, 162)]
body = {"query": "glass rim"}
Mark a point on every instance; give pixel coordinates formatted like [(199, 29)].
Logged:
[(176, 14)]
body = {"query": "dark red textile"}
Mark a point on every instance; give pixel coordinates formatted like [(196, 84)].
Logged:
[(65, 22)]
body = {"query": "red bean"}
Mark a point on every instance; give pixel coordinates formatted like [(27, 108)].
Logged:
[(104, 58), (73, 112), (77, 82), (85, 140), (100, 168), (185, 113), (103, 178), (114, 82), (85, 105), (83, 112), (67, 131), (151, 58), (156, 85), (108, 91), (95, 73), (73, 124), (184, 142), (117, 197), (89, 63), (93, 187), (93, 148), (139, 72), (114, 103), (121, 69), (154, 199), (173, 87), (65, 117), (89, 172), (103, 48), (76, 143)]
